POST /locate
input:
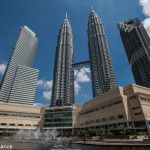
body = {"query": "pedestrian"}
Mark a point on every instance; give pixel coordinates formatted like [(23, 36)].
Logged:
[(84, 139)]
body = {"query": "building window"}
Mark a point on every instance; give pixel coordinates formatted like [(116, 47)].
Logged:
[(111, 118), (36, 116), (48, 110), (30, 116), (103, 119), (22, 115), (3, 124), (138, 113), (47, 125), (12, 124), (132, 97), (6, 114), (68, 109), (87, 122), (97, 120), (58, 110), (20, 125), (67, 115), (117, 102), (143, 98), (35, 125), (120, 116), (15, 115), (135, 108), (28, 125), (92, 121)]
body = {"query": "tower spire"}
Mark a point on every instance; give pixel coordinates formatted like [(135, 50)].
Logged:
[(91, 7), (66, 15)]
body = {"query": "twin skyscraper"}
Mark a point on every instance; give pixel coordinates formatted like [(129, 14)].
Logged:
[(19, 81), (102, 72)]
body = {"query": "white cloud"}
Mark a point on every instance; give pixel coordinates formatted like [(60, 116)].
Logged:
[(84, 95), (38, 104), (2, 68), (87, 70), (47, 94), (40, 82), (77, 87), (82, 76), (47, 87), (146, 6), (146, 24), (48, 84), (146, 10)]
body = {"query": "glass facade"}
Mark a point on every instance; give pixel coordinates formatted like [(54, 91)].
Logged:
[(58, 117), (137, 46), (18, 84)]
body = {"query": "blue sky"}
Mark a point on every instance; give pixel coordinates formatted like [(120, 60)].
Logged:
[(45, 17)]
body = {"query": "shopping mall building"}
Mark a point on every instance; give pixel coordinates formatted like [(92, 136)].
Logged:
[(122, 108)]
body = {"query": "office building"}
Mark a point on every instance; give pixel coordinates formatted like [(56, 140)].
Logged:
[(63, 78), (18, 84), (102, 72), (137, 46)]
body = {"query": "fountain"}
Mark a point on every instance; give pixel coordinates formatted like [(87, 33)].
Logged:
[(20, 135), (48, 138)]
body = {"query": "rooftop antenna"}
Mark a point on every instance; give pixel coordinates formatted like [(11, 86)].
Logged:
[(66, 15)]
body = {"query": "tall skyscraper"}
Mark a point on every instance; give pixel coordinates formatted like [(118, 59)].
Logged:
[(63, 79), (102, 72), (19, 81), (137, 45)]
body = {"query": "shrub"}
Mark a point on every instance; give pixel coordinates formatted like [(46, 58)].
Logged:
[(141, 133), (122, 132), (4, 133), (110, 133)]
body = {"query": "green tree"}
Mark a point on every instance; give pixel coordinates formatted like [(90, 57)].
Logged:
[(91, 132), (82, 133), (101, 132), (75, 133), (67, 133)]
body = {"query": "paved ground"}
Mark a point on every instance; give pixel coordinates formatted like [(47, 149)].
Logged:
[(113, 143)]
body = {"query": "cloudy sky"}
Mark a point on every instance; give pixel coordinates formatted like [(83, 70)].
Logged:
[(45, 17)]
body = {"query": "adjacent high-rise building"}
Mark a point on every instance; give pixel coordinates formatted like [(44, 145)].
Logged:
[(63, 79), (137, 45), (102, 72), (18, 84)]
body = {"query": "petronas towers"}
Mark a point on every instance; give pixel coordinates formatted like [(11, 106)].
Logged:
[(102, 72), (63, 79)]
